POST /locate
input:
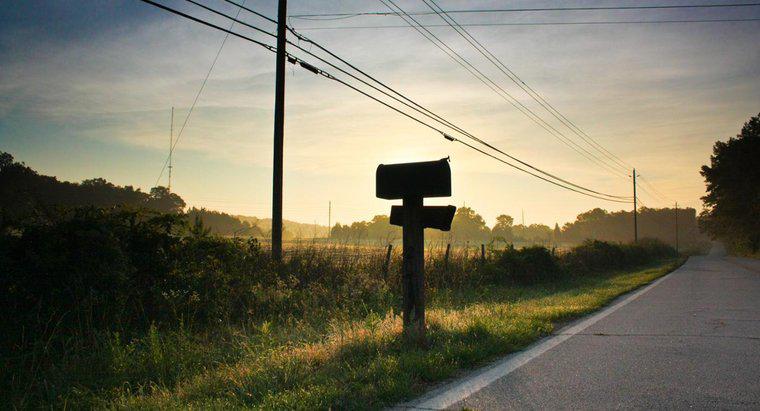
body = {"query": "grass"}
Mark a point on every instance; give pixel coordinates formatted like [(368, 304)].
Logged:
[(345, 362)]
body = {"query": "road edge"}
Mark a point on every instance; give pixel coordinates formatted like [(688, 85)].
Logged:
[(457, 390)]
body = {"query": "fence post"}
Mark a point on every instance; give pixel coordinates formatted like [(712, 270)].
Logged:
[(387, 264), (446, 256), (483, 253)]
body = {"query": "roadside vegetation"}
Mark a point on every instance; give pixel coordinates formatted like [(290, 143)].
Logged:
[(116, 308)]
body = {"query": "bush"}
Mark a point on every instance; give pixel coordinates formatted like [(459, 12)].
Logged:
[(526, 265), (595, 256)]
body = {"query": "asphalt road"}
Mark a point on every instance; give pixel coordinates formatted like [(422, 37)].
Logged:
[(691, 340)]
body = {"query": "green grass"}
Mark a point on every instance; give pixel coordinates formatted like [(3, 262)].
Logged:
[(333, 362)]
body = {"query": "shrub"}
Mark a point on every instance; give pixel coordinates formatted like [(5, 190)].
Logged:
[(526, 265), (595, 256)]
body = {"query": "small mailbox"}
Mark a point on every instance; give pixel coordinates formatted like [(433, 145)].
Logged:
[(438, 217), (407, 180), (412, 182)]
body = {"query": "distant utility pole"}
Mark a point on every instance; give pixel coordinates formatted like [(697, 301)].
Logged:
[(329, 219), (171, 140), (635, 211), (676, 226), (279, 130)]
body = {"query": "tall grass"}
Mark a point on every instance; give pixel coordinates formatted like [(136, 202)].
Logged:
[(126, 309)]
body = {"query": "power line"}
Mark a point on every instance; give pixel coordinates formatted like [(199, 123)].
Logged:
[(657, 192), (540, 23), (440, 44), (301, 37), (198, 94), (341, 16), (537, 176), (309, 67), (411, 104), (515, 78)]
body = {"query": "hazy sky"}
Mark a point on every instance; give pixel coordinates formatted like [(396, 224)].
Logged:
[(86, 89)]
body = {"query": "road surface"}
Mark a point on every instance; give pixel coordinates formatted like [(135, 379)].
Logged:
[(689, 340)]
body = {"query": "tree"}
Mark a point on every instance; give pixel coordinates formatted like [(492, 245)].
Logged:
[(6, 160), (502, 230), (161, 199), (468, 225), (732, 203)]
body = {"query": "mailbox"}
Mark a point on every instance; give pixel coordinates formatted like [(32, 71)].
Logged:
[(410, 180), (438, 217)]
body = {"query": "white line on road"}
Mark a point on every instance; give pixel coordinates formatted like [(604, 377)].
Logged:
[(451, 394)]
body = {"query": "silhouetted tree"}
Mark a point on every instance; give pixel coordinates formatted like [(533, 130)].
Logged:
[(732, 203), (468, 225), (502, 230), (161, 199)]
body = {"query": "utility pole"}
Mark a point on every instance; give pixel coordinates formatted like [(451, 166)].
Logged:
[(635, 211), (676, 226), (279, 126), (329, 219), (171, 141)]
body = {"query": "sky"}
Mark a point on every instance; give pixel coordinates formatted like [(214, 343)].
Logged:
[(86, 90)]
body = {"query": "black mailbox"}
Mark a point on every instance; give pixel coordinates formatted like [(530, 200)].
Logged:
[(438, 217), (408, 180)]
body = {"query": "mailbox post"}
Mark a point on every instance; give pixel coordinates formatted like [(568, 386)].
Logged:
[(412, 182)]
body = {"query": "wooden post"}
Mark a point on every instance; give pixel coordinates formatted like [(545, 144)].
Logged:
[(446, 256), (483, 253), (635, 211), (676, 226), (413, 279), (387, 264)]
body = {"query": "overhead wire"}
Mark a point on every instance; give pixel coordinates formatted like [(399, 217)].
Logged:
[(543, 23), (509, 98), (654, 189), (340, 16), (195, 100), (408, 102), (293, 59), (499, 64)]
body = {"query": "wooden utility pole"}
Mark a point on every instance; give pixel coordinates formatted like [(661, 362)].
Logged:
[(279, 131), (676, 226), (329, 219), (635, 211)]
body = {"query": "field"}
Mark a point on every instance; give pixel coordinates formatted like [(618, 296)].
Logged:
[(105, 310)]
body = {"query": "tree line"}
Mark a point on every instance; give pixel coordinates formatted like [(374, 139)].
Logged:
[(27, 195), (599, 224)]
